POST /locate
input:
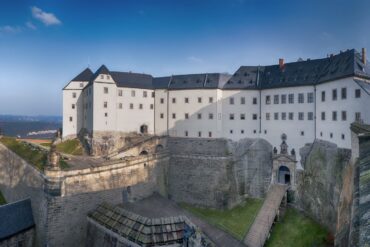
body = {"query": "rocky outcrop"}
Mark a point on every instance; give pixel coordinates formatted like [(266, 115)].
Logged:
[(320, 184)]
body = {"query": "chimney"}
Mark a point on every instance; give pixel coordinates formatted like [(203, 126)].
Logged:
[(281, 63), (364, 56)]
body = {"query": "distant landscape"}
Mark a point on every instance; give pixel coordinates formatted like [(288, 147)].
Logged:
[(30, 126)]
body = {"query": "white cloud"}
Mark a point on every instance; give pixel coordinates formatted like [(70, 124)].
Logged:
[(10, 29), (194, 59), (47, 18), (30, 25)]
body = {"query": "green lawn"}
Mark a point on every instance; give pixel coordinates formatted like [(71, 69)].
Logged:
[(236, 221), (46, 144), (2, 199), (72, 147), (32, 156), (297, 230)]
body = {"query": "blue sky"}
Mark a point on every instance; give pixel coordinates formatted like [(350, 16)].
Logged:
[(44, 44)]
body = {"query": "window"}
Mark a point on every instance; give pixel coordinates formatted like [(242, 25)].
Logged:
[(254, 101), (323, 96), (358, 116), (120, 92), (291, 98), (186, 133), (267, 116), (161, 115), (209, 134), (73, 106), (106, 114), (74, 95), (344, 115), (310, 116), (199, 99), (242, 116), (200, 134), (265, 131), (108, 77), (276, 99), (283, 116), (81, 85), (300, 116), (105, 90), (334, 94), (105, 104), (268, 100), (242, 131), (231, 131), (344, 93), (140, 106), (323, 115), (145, 94), (242, 100), (210, 99), (133, 93), (283, 99), (331, 135), (70, 119), (300, 98), (254, 116), (199, 116), (302, 133), (358, 93), (309, 97), (231, 116), (254, 131), (120, 105), (321, 133), (210, 116), (101, 76), (291, 116), (173, 115), (186, 115), (231, 100), (186, 100), (131, 106), (162, 100), (334, 116), (151, 106), (173, 100), (276, 116), (153, 94)]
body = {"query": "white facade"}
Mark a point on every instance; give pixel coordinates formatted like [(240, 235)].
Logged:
[(299, 111)]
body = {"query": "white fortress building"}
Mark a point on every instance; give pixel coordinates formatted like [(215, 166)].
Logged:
[(306, 100)]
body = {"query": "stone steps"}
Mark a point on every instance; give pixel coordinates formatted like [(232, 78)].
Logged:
[(261, 226)]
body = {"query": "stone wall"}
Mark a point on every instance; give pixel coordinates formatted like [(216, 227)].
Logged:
[(320, 184), (19, 181), (218, 173), (25, 239)]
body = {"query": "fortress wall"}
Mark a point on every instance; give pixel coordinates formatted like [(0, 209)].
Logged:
[(20, 180), (82, 191), (230, 172)]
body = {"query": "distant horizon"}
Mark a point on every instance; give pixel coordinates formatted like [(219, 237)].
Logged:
[(44, 44)]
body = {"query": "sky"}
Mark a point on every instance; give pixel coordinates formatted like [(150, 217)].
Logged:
[(45, 43)]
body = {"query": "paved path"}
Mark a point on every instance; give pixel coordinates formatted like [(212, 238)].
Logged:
[(157, 206), (261, 226)]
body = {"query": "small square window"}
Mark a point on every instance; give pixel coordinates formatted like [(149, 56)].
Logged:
[(199, 100), (300, 116), (344, 93), (231, 131), (283, 99), (254, 101), (101, 76), (173, 115), (210, 116), (291, 116), (131, 106), (267, 116), (74, 95), (276, 116), (120, 105), (133, 93), (173, 100), (302, 133), (199, 133), (81, 84), (291, 98), (334, 94), (151, 106), (70, 119), (242, 100), (105, 105), (231, 100), (283, 116), (209, 134), (140, 106), (186, 133), (276, 99), (73, 106), (162, 100), (199, 116), (231, 116), (242, 131), (358, 93), (323, 96), (301, 98), (161, 115), (331, 135), (268, 99), (323, 116), (186, 115), (254, 131), (108, 77), (344, 115), (254, 116), (106, 114), (309, 97), (310, 116), (242, 116), (265, 131), (321, 133), (145, 94), (153, 94), (210, 99), (334, 116), (120, 92), (105, 90), (186, 100), (343, 136)]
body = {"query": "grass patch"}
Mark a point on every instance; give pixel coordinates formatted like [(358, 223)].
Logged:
[(72, 147), (46, 144), (32, 156), (63, 165), (296, 229), (2, 199), (236, 221)]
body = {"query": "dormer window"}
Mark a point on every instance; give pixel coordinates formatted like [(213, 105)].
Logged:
[(108, 77), (101, 76)]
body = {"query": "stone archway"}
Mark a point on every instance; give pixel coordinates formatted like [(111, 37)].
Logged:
[(144, 129), (284, 176), (144, 152), (159, 148)]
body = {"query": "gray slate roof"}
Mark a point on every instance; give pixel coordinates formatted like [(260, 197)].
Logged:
[(300, 73), (15, 218), (84, 75)]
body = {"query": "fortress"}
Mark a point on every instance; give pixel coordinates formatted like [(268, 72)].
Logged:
[(306, 100), (293, 132)]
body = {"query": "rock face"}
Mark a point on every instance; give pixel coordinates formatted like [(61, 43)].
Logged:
[(218, 172), (320, 184)]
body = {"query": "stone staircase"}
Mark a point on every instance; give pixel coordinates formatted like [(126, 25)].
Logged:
[(261, 226)]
